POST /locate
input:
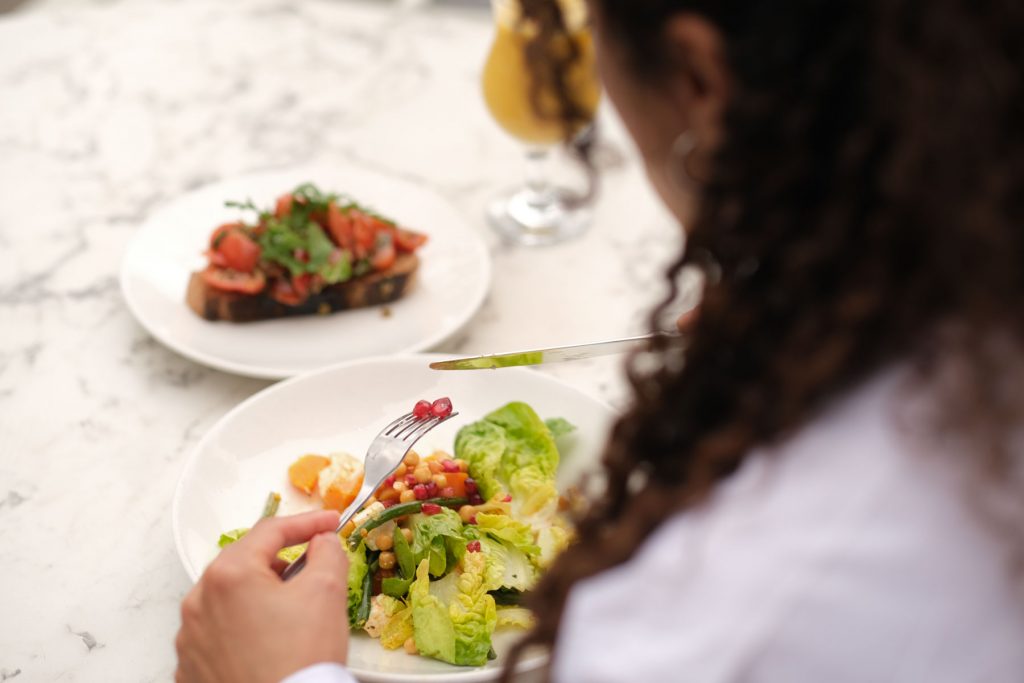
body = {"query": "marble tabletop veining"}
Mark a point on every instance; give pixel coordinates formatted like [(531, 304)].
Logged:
[(109, 109)]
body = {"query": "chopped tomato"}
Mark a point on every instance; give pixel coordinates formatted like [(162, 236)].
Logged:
[(228, 280), (239, 252), (291, 291), (284, 205), (408, 241), (340, 226), (221, 232), (383, 256), (216, 258), (364, 229)]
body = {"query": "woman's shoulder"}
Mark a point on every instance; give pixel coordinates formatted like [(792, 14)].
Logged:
[(847, 552)]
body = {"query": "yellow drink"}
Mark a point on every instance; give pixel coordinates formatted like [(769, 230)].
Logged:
[(507, 81)]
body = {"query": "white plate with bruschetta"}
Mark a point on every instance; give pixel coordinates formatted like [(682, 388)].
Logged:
[(274, 274), (248, 454)]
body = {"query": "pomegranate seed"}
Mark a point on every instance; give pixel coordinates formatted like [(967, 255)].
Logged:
[(449, 466), (506, 499), (431, 490), (472, 520), (421, 409), (476, 499), (410, 480), (442, 407), (447, 492), (388, 503), (431, 509), (472, 546), (471, 487), (301, 255), (420, 491), (389, 482)]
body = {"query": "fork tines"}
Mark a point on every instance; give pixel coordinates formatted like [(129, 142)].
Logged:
[(409, 427), (403, 421)]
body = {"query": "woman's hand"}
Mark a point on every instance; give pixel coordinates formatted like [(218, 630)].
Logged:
[(242, 623)]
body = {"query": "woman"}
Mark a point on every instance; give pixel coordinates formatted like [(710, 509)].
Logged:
[(830, 487)]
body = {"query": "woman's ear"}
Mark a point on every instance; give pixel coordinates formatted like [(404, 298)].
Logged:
[(699, 84)]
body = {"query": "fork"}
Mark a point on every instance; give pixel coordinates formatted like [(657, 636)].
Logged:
[(385, 454)]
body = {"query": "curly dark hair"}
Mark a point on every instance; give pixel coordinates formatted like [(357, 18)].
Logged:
[(865, 208)]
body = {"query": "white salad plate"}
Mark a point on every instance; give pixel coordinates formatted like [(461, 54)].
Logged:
[(451, 284), (246, 454)]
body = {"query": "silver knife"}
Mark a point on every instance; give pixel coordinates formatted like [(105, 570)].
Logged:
[(554, 354)]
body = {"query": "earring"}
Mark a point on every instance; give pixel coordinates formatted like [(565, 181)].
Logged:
[(679, 159)]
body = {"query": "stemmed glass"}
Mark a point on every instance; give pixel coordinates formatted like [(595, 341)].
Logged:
[(519, 89)]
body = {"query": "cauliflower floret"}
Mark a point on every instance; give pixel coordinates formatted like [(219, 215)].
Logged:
[(382, 608), (369, 512)]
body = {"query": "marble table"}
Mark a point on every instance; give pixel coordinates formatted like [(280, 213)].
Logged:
[(109, 109)]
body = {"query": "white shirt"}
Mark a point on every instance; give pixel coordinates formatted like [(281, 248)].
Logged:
[(850, 553)]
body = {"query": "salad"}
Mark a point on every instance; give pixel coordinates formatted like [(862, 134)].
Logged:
[(443, 553)]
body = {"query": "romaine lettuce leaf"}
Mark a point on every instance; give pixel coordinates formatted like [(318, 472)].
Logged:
[(459, 632), (432, 627), (515, 616), (397, 630), (505, 566), (358, 570), (512, 450), (383, 609), (552, 540), (229, 537), (482, 444), (434, 536), (504, 528), (559, 427)]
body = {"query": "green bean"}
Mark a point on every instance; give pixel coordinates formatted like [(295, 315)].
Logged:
[(401, 510)]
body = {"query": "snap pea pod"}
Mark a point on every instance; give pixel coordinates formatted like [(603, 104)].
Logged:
[(270, 507), (401, 510)]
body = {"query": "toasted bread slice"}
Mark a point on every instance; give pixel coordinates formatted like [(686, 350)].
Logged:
[(367, 290)]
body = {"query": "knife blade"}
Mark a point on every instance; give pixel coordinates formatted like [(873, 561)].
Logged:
[(555, 354)]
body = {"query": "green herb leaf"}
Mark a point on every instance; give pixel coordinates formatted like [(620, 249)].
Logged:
[(333, 273), (320, 248)]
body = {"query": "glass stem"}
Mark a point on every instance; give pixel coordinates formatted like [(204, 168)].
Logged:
[(538, 190)]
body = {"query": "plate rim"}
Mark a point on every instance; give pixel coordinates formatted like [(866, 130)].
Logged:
[(471, 675), (277, 373)]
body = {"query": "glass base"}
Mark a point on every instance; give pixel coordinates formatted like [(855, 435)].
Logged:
[(533, 219)]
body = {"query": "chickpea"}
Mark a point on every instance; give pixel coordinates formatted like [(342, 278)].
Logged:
[(400, 486), (385, 542), (440, 480), (400, 471), (463, 465), (412, 459), (422, 474), (408, 534), (387, 494), (386, 560), (435, 466), (371, 500), (406, 496), (410, 645), (349, 527), (466, 513)]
